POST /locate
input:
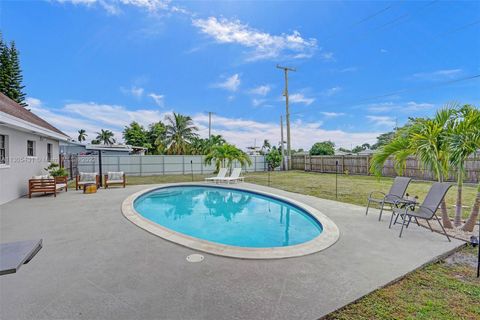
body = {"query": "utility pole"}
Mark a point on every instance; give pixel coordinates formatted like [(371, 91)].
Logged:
[(287, 115), (209, 124), (281, 143)]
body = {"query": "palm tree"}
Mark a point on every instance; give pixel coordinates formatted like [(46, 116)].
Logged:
[(105, 137), (225, 154), (266, 146), (464, 141), (82, 134), (427, 139), (179, 133)]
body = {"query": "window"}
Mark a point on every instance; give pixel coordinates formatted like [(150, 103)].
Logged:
[(3, 149), (30, 148), (49, 152)]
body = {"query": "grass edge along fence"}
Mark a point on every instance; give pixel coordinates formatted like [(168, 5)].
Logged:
[(138, 165), (359, 165)]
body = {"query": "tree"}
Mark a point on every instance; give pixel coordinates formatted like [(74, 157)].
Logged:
[(10, 73), (180, 131), (427, 140), (82, 134), (383, 139), (156, 133), (265, 147), (464, 141), (135, 135), (105, 137), (273, 158), (224, 155), (16, 87), (325, 148)]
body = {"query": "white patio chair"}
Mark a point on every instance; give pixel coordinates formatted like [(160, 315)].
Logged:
[(221, 174)]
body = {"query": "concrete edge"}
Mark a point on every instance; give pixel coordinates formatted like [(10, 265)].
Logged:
[(327, 238), (400, 278)]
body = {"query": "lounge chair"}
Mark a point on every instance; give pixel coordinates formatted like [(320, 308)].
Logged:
[(396, 193), (221, 174), (115, 178), (86, 178), (234, 177), (426, 210), (44, 185)]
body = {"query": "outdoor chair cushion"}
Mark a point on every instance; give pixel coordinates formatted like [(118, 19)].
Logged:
[(88, 177), (115, 176)]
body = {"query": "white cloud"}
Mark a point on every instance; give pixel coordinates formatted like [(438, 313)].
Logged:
[(328, 56), (158, 98), (231, 83), (382, 120), (261, 90), (135, 91), (258, 102), (300, 98), (332, 91), (348, 69), (437, 75), (263, 45), (404, 107), (93, 116), (383, 50), (333, 114), (113, 6)]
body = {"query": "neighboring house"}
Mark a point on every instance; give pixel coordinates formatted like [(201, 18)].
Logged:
[(72, 147), (367, 152), (28, 144)]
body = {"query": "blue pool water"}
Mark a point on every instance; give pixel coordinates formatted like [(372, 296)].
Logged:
[(228, 216)]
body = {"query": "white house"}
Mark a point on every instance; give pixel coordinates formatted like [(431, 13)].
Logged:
[(27, 145)]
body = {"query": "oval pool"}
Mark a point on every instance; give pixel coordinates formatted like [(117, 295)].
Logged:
[(228, 216), (231, 221)]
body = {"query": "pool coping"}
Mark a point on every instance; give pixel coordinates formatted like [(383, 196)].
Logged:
[(327, 238)]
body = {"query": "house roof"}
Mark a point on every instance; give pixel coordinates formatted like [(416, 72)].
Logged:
[(12, 108)]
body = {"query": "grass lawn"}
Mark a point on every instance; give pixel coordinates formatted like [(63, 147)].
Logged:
[(444, 290), (351, 189)]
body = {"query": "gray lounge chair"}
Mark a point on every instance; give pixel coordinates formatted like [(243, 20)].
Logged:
[(426, 210), (396, 193)]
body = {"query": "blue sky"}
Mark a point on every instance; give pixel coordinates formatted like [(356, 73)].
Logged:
[(361, 66)]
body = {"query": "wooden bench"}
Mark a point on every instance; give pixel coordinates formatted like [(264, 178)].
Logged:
[(79, 184), (42, 185), (49, 185), (120, 182)]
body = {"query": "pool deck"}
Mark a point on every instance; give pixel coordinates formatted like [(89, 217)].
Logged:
[(95, 264)]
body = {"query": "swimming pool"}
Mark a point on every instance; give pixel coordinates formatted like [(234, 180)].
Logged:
[(231, 221)]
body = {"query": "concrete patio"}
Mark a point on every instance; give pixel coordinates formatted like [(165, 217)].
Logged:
[(95, 264)]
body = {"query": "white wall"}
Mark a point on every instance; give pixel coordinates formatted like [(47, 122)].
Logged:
[(14, 176), (136, 165)]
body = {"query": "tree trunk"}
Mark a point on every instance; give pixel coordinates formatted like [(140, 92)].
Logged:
[(458, 209), (472, 220), (445, 219)]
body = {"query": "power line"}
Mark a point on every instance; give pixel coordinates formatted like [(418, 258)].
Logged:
[(393, 93)]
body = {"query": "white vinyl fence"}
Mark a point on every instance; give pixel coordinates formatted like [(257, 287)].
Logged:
[(137, 165)]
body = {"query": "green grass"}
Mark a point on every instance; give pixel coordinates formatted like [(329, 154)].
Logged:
[(438, 291), (351, 189)]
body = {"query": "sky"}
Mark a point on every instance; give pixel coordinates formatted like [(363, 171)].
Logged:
[(362, 67)]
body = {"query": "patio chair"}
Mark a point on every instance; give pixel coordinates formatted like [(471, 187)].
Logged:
[(221, 174), (234, 177), (396, 193), (86, 178), (115, 178), (43, 184), (426, 210)]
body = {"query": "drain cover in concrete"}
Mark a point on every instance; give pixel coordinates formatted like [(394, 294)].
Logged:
[(195, 258)]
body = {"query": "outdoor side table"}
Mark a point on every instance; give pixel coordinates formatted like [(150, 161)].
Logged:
[(89, 188)]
